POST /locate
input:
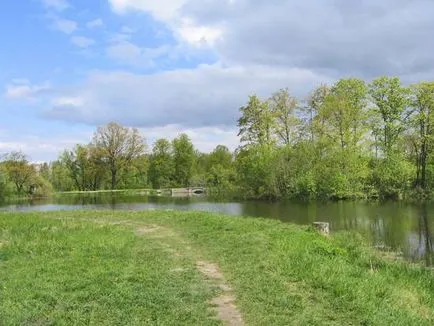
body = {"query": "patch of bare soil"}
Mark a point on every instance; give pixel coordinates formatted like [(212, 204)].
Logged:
[(224, 304), (145, 229)]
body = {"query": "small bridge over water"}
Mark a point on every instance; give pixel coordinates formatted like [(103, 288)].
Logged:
[(182, 192), (188, 191)]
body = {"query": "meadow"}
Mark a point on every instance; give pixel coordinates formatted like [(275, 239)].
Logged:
[(195, 268)]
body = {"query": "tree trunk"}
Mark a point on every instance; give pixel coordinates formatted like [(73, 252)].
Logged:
[(113, 179)]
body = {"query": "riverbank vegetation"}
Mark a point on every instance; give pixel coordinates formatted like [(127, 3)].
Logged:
[(348, 140), (174, 268)]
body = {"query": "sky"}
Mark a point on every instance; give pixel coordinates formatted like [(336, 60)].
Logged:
[(165, 67)]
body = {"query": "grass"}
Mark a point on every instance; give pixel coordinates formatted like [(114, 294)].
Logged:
[(139, 268)]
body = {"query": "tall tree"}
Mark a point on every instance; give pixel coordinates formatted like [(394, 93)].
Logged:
[(256, 123), (283, 107), (118, 146), (422, 102), (19, 171), (77, 163), (161, 167), (390, 100), (315, 101), (220, 155), (344, 111), (183, 159)]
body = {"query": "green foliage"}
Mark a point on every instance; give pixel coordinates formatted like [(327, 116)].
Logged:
[(350, 140), (183, 160), (161, 168), (391, 100), (392, 176), (257, 122)]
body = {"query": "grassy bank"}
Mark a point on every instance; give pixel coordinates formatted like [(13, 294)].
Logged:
[(146, 268)]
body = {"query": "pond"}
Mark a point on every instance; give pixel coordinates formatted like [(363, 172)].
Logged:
[(408, 228)]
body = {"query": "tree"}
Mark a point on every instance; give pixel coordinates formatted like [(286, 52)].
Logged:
[(315, 101), (390, 100), (183, 159), (118, 146), (221, 155), (161, 169), (19, 171), (256, 123), (283, 107), (77, 163), (343, 113), (60, 176), (422, 102)]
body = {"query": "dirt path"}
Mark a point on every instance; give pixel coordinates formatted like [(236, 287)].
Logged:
[(224, 304)]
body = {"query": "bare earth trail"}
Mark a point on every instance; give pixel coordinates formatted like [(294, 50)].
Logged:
[(223, 304)]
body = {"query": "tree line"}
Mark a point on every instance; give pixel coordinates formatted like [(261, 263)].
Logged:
[(348, 140)]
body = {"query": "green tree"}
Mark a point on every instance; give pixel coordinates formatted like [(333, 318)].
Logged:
[(118, 146), (283, 107), (183, 160), (136, 175), (257, 123), (19, 171), (343, 113), (221, 155), (60, 176), (161, 168), (390, 99), (315, 101), (422, 102)]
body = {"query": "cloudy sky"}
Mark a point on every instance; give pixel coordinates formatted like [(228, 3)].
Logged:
[(165, 66)]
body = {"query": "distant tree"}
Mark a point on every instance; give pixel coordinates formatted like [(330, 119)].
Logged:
[(77, 163), (19, 171), (343, 113), (257, 123), (118, 146), (161, 167), (136, 175), (221, 155), (183, 159), (422, 102), (60, 176), (315, 100), (390, 99), (283, 107)]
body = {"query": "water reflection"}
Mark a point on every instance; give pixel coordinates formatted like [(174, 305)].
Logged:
[(404, 227)]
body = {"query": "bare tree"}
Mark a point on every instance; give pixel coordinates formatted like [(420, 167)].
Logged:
[(118, 146)]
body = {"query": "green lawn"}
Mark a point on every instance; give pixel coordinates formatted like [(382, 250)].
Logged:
[(141, 268)]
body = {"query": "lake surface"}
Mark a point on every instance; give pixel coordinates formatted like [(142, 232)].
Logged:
[(408, 228)]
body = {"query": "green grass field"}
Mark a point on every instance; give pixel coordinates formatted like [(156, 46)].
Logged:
[(195, 268)]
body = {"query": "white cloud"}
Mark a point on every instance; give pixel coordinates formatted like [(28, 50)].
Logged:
[(170, 12), (64, 25), (129, 53), (95, 23), (164, 11), (119, 37), (21, 81), (43, 148), (126, 30), (207, 96), (68, 101), (22, 89), (58, 5), (82, 42)]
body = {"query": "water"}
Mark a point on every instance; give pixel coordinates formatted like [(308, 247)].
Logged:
[(403, 227)]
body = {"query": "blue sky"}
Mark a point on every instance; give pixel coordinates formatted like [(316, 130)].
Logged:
[(68, 66)]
